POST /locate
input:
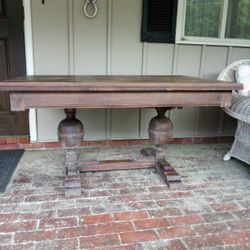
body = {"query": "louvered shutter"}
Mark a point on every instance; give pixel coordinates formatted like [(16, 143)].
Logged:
[(159, 21)]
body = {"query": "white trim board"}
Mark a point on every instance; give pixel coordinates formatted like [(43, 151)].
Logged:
[(221, 40), (29, 63)]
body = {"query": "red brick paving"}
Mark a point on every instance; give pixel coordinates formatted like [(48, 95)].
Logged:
[(138, 236), (128, 210), (96, 219), (151, 223), (73, 232), (39, 235), (203, 241), (236, 237), (116, 227), (135, 215), (99, 241), (176, 232)]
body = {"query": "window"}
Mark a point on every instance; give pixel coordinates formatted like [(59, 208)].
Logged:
[(214, 22), (238, 19)]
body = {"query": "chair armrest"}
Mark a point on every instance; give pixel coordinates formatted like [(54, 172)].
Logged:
[(240, 107)]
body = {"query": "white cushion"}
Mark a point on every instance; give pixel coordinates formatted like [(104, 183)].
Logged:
[(243, 76)]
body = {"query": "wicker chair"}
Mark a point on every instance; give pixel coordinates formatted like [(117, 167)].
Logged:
[(239, 109)]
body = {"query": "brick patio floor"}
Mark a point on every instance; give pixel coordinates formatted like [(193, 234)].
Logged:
[(129, 209)]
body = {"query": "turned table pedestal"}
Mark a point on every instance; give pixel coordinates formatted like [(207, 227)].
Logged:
[(160, 92), (70, 135)]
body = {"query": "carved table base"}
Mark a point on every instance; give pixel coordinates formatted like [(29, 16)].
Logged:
[(168, 173), (72, 177), (70, 134)]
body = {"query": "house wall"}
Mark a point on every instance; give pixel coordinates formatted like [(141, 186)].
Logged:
[(65, 42)]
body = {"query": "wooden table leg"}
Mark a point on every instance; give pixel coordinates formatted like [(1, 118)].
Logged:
[(70, 135), (160, 133), (72, 178)]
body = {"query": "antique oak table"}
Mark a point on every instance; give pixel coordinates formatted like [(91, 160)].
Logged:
[(160, 92)]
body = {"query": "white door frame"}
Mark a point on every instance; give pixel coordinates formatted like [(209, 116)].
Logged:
[(29, 63)]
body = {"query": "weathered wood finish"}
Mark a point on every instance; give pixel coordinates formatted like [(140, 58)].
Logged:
[(70, 130), (72, 177), (70, 135), (116, 92), (24, 100), (160, 128), (12, 64), (115, 83), (109, 165), (160, 92), (167, 172)]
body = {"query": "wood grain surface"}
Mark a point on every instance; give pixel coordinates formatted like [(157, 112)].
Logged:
[(115, 83)]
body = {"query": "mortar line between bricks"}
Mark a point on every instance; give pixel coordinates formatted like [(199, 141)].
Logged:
[(234, 216), (240, 206), (78, 243), (133, 225), (227, 226), (202, 219), (78, 220), (12, 237), (34, 247), (74, 203), (146, 210), (184, 243), (120, 240), (56, 213), (91, 211), (38, 224), (157, 233)]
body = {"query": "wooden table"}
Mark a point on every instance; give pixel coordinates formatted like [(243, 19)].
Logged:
[(160, 92)]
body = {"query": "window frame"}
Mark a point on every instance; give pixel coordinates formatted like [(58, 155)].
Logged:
[(180, 38)]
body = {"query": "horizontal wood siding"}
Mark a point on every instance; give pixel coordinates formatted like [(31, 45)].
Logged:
[(66, 42)]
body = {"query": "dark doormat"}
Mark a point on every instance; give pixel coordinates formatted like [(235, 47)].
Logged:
[(8, 162)]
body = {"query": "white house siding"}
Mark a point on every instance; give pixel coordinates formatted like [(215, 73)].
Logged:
[(65, 42)]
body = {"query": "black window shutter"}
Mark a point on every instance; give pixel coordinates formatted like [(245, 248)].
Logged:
[(159, 21)]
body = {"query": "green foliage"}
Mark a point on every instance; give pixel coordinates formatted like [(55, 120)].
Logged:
[(203, 18), (243, 22)]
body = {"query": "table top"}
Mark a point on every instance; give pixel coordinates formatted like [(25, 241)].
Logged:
[(113, 83)]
